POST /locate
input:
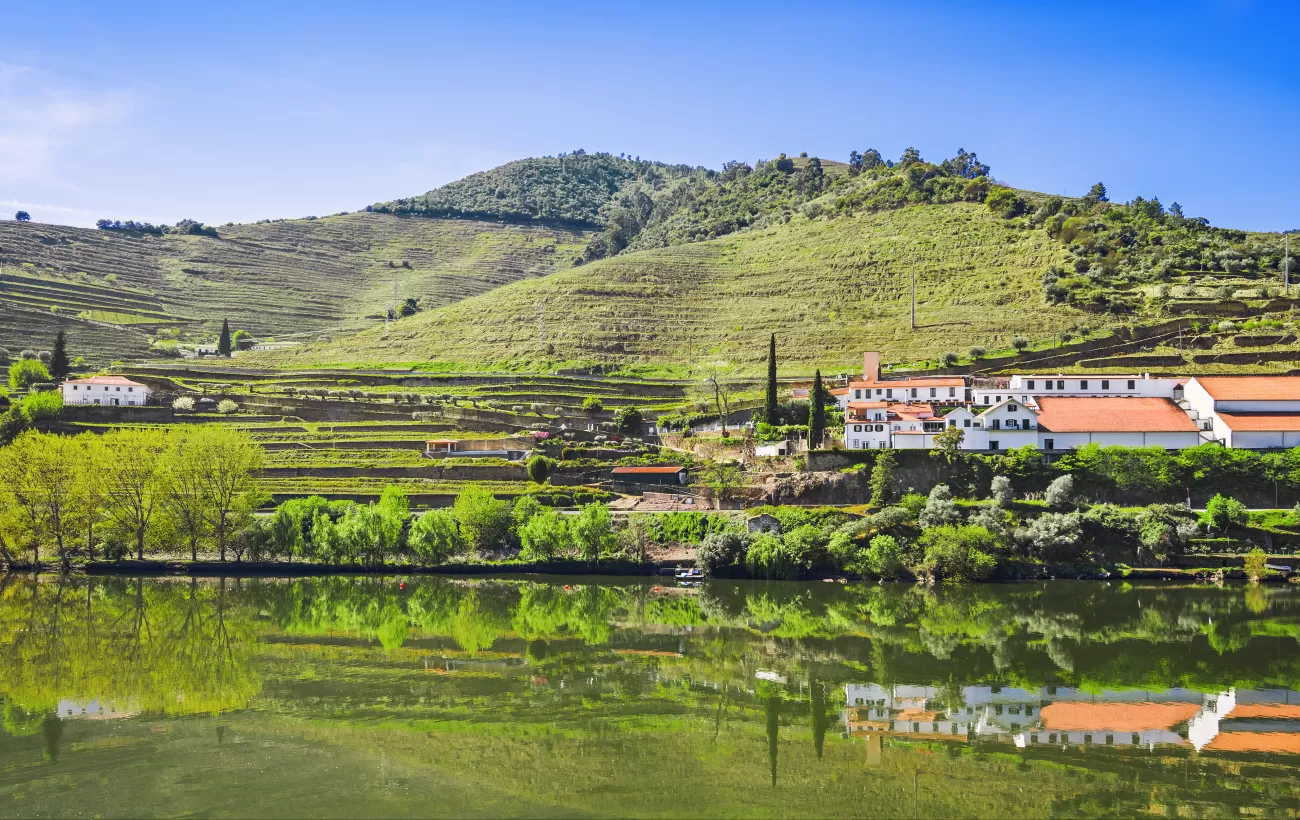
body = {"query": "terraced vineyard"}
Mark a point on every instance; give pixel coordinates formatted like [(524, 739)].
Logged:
[(828, 288), (276, 279)]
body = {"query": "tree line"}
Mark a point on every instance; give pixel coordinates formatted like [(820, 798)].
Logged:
[(132, 489)]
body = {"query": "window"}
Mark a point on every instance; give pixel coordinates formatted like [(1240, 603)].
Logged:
[(74, 387), (952, 422), (1031, 384), (933, 392), (130, 390), (966, 423), (913, 392), (1047, 385), (880, 428), (993, 444), (997, 399), (1083, 384), (857, 428), (952, 392), (1011, 424), (1060, 384), (995, 424), (857, 394), (877, 391), (987, 401), (1105, 384), (889, 393), (1011, 407), (1132, 385)]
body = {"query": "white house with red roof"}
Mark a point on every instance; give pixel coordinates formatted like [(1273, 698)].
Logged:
[(989, 392), (1066, 422), (1256, 412), (109, 391)]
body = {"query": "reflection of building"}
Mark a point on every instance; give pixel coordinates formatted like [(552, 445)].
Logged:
[(92, 710), (1235, 720)]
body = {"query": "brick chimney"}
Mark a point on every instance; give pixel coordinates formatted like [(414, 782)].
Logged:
[(871, 366)]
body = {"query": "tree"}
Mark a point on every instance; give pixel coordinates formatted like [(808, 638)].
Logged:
[(26, 372), (769, 397), (434, 537), (722, 478), (721, 549), (1000, 491), (23, 216), (940, 508), (43, 482), (884, 558), (1060, 493), (948, 444), (231, 460), (628, 420), (224, 344), (1020, 343), (59, 366), (186, 500), (948, 358), (1097, 193), (227, 406), (544, 535), (1256, 564), (816, 413), (957, 553), (910, 155), (977, 353), (593, 531), (1052, 536), (882, 478), (592, 404), (484, 520), (1223, 512), (134, 485), (721, 399), (538, 468)]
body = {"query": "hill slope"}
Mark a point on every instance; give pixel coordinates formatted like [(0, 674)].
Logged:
[(296, 276), (828, 288)]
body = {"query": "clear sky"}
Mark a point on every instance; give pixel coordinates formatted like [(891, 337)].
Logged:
[(238, 111)]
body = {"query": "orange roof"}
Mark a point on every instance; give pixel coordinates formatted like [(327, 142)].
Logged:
[(1066, 716), (1062, 414), (1255, 742), (919, 381), (1289, 422), (647, 470), (1266, 710), (867, 405), (118, 380), (838, 391), (1251, 388)]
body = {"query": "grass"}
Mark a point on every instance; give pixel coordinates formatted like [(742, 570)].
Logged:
[(828, 288)]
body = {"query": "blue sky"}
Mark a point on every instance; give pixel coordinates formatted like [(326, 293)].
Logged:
[(243, 111)]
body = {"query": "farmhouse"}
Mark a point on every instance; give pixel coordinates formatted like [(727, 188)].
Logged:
[(651, 475), (112, 391), (507, 448), (1024, 387), (1257, 412)]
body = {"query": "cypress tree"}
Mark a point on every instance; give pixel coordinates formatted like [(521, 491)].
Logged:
[(59, 366), (223, 344), (769, 400), (816, 413)]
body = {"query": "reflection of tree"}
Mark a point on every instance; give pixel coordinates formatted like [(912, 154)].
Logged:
[(820, 717), (52, 729), (772, 709)]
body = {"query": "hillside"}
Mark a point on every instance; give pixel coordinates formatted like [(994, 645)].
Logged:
[(111, 290), (828, 288)]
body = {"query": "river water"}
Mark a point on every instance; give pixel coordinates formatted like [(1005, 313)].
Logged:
[(380, 697)]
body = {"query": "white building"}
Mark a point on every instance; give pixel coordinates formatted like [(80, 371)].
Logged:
[(1025, 387), (1257, 412), (1066, 422), (1007, 425), (112, 391)]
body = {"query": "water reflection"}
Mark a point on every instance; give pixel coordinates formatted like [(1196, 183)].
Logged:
[(359, 695)]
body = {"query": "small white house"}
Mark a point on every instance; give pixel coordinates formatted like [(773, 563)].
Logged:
[(1257, 412), (109, 391), (1009, 424)]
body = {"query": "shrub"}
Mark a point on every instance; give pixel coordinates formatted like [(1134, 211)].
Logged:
[(884, 558), (628, 420), (721, 549), (769, 557), (977, 352), (882, 477), (892, 518), (808, 542), (544, 535), (184, 403), (227, 406), (1000, 491), (45, 357), (1255, 563), (26, 372), (948, 358), (956, 553), (1020, 343), (914, 503), (939, 508), (1060, 493), (1222, 512), (434, 537), (538, 468), (27, 355), (1053, 536), (592, 404)]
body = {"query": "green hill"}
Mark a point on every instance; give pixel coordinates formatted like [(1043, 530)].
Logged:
[(112, 290)]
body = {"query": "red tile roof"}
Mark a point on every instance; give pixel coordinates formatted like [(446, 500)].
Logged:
[(1267, 422), (1288, 742), (1251, 388), (1073, 716), (867, 405), (1065, 414), (921, 381), (647, 470), (118, 380)]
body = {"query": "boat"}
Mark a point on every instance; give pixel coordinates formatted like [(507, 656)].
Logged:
[(691, 574)]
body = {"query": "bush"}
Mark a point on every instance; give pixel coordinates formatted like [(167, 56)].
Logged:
[(939, 508), (1000, 491), (184, 403), (956, 553), (484, 520), (892, 518), (1222, 512), (882, 477), (884, 558), (721, 549), (525, 507), (26, 372), (1053, 536), (914, 503), (627, 420), (768, 556), (977, 352), (808, 542), (434, 537), (593, 531), (1060, 493), (1255, 564), (948, 358), (592, 404), (227, 406), (539, 468), (1020, 343)]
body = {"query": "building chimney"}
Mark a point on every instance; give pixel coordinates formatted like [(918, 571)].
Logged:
[(871, 366)]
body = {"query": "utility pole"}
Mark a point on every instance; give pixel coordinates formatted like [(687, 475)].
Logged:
[(913, 299), (1286, 264)]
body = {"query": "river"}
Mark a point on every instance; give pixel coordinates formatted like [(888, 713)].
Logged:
[(426, 696)]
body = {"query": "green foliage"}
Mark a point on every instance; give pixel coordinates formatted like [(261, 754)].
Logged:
[(26, 372), (593, 531), (1004, 202), (484, 520), (544, 535), (688, 527), (940, 508), (915, 504), (1000, 491), (882, 478), (434, 537), (224, 344), (722, 549), (770, 556), (1060, 493), (539, 468), (770, 391), (627, 420), (956, 553), (818, 399), (1222, 512), (1255, 561), (885, 558), (592, 404), (1053, 536)]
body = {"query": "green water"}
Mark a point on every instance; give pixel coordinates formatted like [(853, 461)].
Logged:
[(364, 697)]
